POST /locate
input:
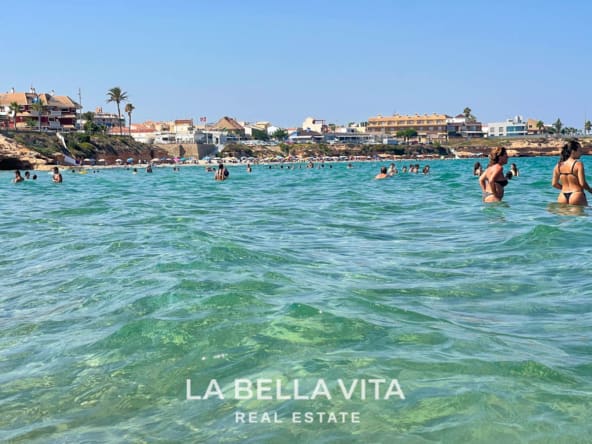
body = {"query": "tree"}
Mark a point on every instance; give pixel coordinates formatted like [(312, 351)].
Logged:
[(38, 107), (14, 109), (558, 125), (280, 134), (467, 113), (285, 149), (587, 126), (128, 109), (116, 95), (540, 126), (406, 134), (259, 135)]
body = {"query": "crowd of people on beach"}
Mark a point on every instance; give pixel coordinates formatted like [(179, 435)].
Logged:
[(568, 174)]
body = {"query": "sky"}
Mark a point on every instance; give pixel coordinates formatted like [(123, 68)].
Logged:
[(283, 61)]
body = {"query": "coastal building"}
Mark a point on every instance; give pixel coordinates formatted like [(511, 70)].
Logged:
[(532, 127), (184, 131), (463, 126), (429, 127), (142, 132), (55, 112), (515, 127), (174, 132), (229, 125), (108, 120), (305, 136), (315, 125), (349, 135)]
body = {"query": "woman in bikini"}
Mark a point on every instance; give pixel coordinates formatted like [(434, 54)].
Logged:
[(492, 180), (569, 177)]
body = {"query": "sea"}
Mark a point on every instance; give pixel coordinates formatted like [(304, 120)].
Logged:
[(294, 305)]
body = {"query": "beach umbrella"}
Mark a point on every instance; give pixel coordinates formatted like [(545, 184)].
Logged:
[(130, 160), (118, 160)]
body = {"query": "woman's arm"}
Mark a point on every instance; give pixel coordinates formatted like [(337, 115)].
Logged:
[(555, 181), (582, 177), (482, 180)]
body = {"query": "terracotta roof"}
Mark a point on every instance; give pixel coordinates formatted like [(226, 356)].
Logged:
[(24, 99), (227, 123)]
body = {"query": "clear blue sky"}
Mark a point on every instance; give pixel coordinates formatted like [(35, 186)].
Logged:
[(282, 61)]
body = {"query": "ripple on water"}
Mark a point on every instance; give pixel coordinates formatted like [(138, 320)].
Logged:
[(118, 287)]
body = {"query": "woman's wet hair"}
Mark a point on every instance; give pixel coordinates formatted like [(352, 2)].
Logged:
[(569, 147), (495, 154)]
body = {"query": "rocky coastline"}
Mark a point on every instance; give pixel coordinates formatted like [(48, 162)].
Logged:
[(41, 151)]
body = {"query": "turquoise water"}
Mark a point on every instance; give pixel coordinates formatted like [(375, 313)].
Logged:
[(117, 288)]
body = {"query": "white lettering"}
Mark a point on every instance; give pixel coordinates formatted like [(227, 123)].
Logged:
[(278, 391), (263, 387), (297, 395), (398, 391), (243, 389), (347, 394), (376, 383), (213, 388), (321, 389)]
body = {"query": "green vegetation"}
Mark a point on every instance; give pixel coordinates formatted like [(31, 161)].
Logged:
[(38, 107), (259, 135), (129, 109), (467, 113), (116, 95), (407, 134), (280, 135), (80, 144)]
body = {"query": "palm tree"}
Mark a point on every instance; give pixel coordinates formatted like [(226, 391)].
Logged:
[(558, 125), (14, 108), (38, 107), (588, 126), (128, 109), (540, 126), (116, 95)]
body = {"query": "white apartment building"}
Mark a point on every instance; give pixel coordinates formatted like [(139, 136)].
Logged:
[(509, 128)]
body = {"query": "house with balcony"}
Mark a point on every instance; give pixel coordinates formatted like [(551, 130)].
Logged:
[(463, 126), (108, 120), (349, 135), (56, 112), (515, 127), (429, 127)]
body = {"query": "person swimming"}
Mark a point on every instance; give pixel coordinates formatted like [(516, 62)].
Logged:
[(383, 174), (569, 175), (477, 169), (17, 177), (492, 181), (514, 170), (57, 176)]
